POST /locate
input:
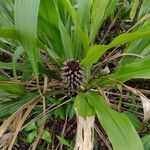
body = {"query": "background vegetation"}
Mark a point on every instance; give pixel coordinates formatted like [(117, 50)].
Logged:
[(111, 41)]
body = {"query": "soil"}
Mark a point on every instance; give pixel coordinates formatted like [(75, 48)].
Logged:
[(139, 84)]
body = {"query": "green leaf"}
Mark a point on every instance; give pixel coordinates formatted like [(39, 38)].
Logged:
[(26, 15), (54, 56), (96, 51), (31, 136), (146, 141), (63, 141), (140, 47), (78, 32), (2, 77), (96, 22), (82, 105), (8, 33), (27, 71), (138, 69), (134, 9), (6, 96), (53, 25), (48, 25), (9, 66), (70, 111), (135, 120), (106, 7), (66, 40), (6, 18), (12, 87), (60, 113), (7, 108), (82, 28), (93, 54), (83, 13), (67, 4), (145, 9), (111, 7), (16, 55), (46, 136), (31, 126), (118, 127), (128, 37)]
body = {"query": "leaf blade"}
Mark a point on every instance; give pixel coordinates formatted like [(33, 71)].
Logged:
[(26, 17), (118, 127)]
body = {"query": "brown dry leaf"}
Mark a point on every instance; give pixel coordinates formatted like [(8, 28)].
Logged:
[(45, 84), (34, 145), (17, 120), (8, 121), (145, 102), (146, 106), (4, 139), (20, 123), (40, 131), (103, 93), (106, 70)]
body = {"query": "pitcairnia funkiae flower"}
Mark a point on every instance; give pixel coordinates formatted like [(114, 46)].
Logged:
[(72, 74)]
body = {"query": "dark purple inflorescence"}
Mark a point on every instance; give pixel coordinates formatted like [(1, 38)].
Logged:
[(72, 74)]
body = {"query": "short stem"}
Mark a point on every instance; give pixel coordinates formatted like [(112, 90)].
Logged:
[(85, 133)]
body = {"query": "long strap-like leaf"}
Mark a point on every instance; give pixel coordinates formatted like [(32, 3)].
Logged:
[(26, 16)]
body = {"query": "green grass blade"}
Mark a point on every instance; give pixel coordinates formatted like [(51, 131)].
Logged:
[(134, 9), (83, 13), (49, 25), (118, 127), (26, 15), (57, 32), (54, 56), (83, 18), (95, 52), (146, 141), (67, 4), (138, 69), (67, 43), (100, 11), (12, 87), (6, 18), (9, 66), (97, 16), (79, 34), (16, 55), (145, 9), (8, 33), (7, 108), (140, 47), (83, 107)]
